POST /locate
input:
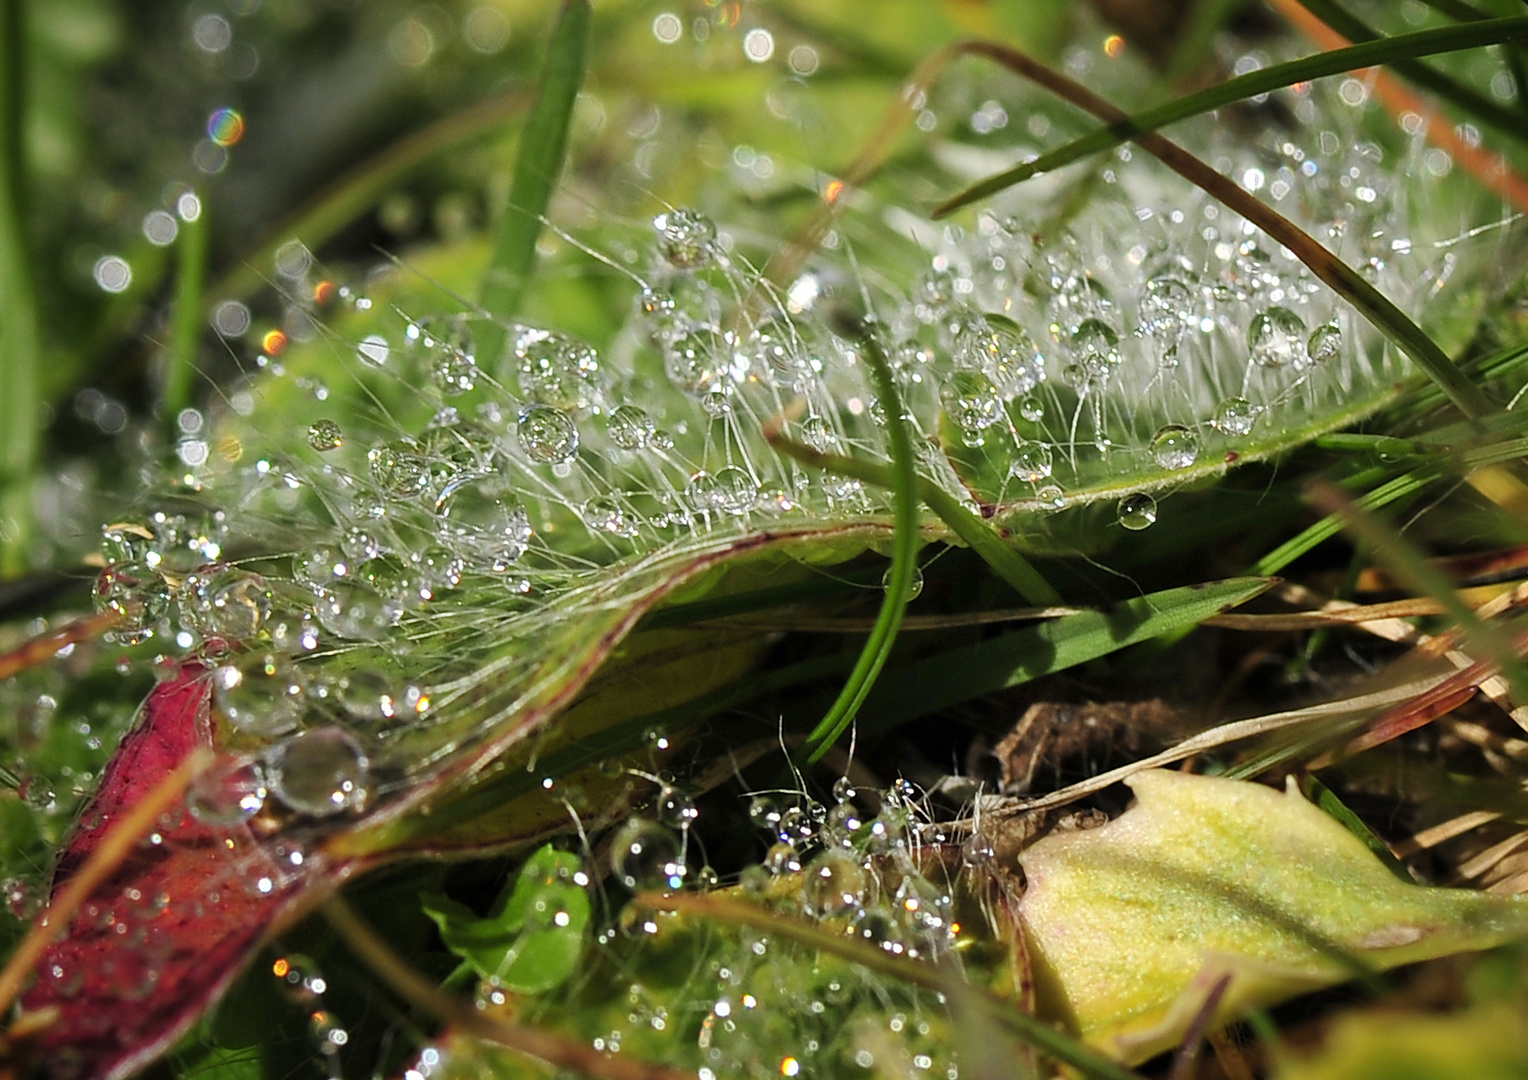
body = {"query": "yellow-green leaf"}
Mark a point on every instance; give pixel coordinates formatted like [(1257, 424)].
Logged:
[(1132, 925)]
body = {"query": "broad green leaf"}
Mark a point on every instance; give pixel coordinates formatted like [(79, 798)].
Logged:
[(973, 670), (532, 942), (1133, 924)]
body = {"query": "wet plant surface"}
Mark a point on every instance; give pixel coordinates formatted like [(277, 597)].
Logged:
[(571, 542)]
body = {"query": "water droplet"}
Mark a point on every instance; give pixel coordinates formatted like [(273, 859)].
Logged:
[(971, 401), (136, 594), (676, 809), (350, 609), (1276, 338), (453, 369), (1001, 349), (558, 371), (716, 403), (1175, 447), (1325, 342), (1032, 462), (1168, 308), (604, 514), (1095, 344), (645, 855), (630, 428), (226, 602), (688, 362), (321, 565), (399, 469), (319, 772), (1235, 416), (818, 434), (835, 884), (729, 491), (483, 522), (1138, 511), (914, 587), (228, 792), (1032, 409), (686, 238), (547, 435), (325, 435), (261, 696)]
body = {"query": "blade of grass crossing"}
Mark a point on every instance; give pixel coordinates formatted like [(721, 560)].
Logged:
[(973, 670), (899, 578), (20, 337), (538, 165), (1410, 566), (1276, 77), (1474, 104)]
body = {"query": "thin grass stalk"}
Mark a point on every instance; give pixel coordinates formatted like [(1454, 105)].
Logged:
[(180, 356), (20, 336)]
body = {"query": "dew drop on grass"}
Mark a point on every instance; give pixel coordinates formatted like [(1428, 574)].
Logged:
[(559, 371), (818, 434), (547, 435), (228, 792), (646, 855), (1325, 342), (1031, 408), (686, 238), (226, 602), (358, 612), (325, 435), (300, 978), (971, 400), (676, 809), (453, 371), (319, 772), (835, 884), (1175, 447), (262, 696), (1001, 349), (483, 523), (1138, 511), (1235, 417), (1032, 462), (629, 427), (1095, 344), (717, 403), (604, 514), (399, 469), (1276, 338), (729, 490), (914, 587)]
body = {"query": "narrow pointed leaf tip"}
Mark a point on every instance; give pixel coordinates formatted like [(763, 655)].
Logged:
[(1131, 925)]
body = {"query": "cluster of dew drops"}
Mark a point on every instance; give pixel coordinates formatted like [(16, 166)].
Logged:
[(1121, 349)]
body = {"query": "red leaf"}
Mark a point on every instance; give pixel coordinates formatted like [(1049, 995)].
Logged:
[(169, 930)]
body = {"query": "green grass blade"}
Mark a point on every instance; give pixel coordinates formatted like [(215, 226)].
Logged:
[(1381, 51), (1007, 563), (1401, 487), (538, 163), (186, 324), (899, 579), (20, 336), (968, 672), (1472, 102), (1326, 799)]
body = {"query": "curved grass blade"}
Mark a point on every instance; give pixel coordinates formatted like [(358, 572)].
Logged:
[(538, 164), (899, 578), (960, 674), (1342, 278), (1371, 52), (1473, 103)]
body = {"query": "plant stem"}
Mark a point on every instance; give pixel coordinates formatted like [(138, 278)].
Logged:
[(20, 344)]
